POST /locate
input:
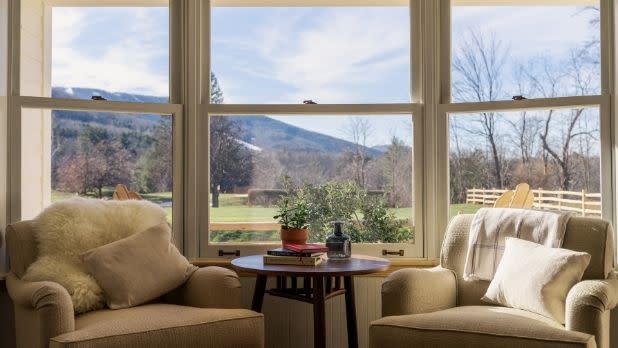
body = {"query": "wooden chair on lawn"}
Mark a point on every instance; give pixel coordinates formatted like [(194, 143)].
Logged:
[(122, 193), (522, 197)]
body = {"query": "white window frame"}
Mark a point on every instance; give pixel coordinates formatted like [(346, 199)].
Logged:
[(414, 108), (605, 101), (18, 102), (431, 104)]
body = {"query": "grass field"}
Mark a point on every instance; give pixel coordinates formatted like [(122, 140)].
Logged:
[(233, 208)]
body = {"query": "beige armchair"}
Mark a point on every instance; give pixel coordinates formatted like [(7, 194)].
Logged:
[(437, 308), (204, 312)]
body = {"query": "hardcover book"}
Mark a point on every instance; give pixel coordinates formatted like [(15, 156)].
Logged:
[(306, 248), (286, 252), (293, 260)]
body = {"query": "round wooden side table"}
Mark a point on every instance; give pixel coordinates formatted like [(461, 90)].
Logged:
[(319, 283)]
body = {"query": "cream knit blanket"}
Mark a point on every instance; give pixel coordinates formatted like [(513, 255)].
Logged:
[(491, 226)]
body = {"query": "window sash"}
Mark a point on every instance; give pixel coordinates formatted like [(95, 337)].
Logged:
[(175, 111)]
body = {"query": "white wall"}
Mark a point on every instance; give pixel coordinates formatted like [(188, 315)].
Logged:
[(289, 323)]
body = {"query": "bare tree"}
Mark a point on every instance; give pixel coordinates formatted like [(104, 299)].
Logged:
[(479, 68), (100, 161), (559, 130), (359, 130)]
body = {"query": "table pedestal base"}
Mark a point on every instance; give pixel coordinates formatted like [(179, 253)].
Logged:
[(314, 290)]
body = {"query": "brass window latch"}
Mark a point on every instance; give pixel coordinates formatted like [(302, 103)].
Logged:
[(392, 252), (229, 253)]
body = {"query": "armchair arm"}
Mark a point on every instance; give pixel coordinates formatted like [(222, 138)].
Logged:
[(413, 290), (42, 310), (587, 308), (209, 287)]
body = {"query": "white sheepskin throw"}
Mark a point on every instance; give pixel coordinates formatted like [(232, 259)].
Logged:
[(66, 229)]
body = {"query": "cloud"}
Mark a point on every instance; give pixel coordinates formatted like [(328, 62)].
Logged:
[(331, 55), (134, 63)]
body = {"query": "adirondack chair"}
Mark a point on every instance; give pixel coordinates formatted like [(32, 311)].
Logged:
[(122, 193), (521, 197)]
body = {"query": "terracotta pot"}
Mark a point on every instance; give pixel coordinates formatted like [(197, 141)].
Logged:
[(294, 235)]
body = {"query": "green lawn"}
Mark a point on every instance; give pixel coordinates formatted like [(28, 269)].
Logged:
[(456, 209), (233, 208)]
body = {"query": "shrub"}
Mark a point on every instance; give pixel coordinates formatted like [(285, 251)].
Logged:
[(368, 216), (266, 198)]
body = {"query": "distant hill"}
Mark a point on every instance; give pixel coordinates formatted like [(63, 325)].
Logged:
[(267, 133), (87, 93), (260, 132)]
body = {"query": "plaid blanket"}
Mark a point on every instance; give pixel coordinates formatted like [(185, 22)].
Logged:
[(491, 226)]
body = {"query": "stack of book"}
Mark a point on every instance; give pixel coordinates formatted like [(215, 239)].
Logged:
[(296, 254)]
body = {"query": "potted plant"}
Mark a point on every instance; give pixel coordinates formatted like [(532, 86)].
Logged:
[(292, 214)]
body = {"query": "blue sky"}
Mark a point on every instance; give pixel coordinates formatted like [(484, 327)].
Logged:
[(286, 55)]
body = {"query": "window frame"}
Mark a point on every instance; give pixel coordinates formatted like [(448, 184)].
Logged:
[(17, 102), (414, 107), (430, 35), (604, 101)]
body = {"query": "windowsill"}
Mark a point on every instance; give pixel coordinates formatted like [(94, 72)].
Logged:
[(396, 264)]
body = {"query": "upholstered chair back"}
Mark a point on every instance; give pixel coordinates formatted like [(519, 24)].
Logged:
[(21, 246), (590, 235)]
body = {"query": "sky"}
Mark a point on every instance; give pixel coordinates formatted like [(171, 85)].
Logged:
[(287, 55)]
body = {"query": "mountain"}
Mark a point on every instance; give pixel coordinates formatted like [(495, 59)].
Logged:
[(259, 132), (381, 148), (87, 93), (267, 133)]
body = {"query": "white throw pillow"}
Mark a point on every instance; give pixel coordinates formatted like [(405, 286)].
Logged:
[(536, 278)]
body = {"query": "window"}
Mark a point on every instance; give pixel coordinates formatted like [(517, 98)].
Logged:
[(94, 107), (355, 168), (504, 54), (352, 156), (89, 153), (438, 81), (117, 53), (544, 51), (331, 55), (556, 152)]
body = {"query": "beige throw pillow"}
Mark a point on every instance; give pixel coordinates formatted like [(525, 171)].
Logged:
[(536, 278), (139, 268)]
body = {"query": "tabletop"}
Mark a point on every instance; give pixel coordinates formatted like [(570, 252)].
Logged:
[(356, 265)]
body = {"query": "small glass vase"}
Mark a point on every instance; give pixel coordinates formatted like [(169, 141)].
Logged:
[(338, 243)]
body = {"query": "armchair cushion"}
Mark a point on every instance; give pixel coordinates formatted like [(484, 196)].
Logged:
[(209, 287), (139, 268), (413, 290), (165, 325), (535, 277), (475, 326)]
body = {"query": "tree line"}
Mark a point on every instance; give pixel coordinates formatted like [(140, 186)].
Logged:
[(551, 149)]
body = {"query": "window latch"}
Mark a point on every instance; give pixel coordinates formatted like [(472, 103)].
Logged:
[(519, 97), (392, 252), (229, 253), (309, 102)]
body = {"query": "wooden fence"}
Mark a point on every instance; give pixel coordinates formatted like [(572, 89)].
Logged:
[(580, 202)]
